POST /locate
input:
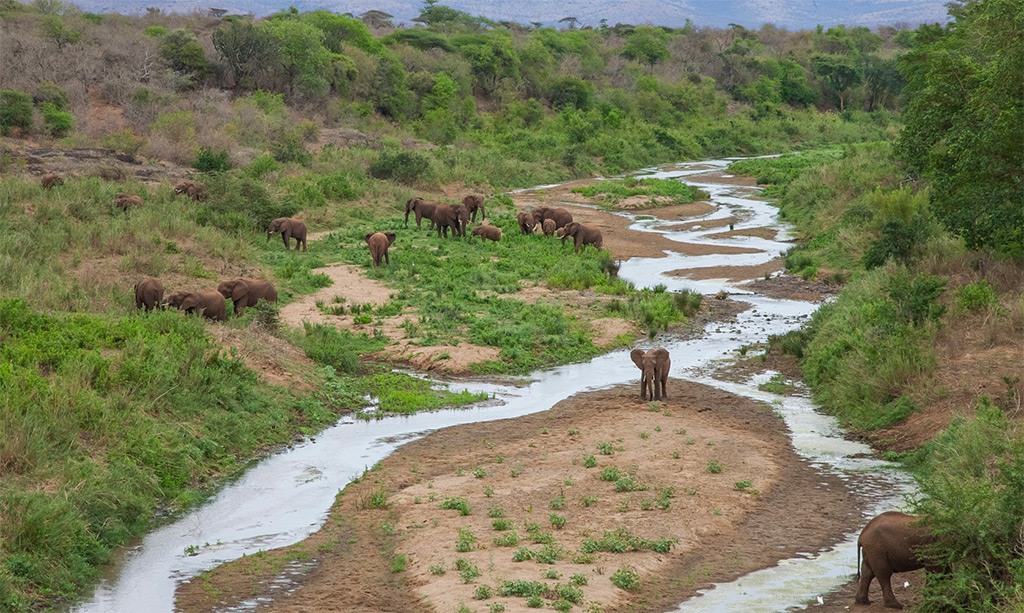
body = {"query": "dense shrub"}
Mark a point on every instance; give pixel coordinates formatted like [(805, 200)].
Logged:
[(55, 121), (15, 111), (238, 202), (402, 166), (208, 160)]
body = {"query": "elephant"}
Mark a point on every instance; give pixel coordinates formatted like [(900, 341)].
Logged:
[(422, 208), (209, 302), (890, 542), (247, 292), (50, 180), (149, 292), (527, 222), (473, 202), (196, 191), (487, 232), (452, 216), (582, 235), (127, 201), (654, 366), (561, 217), (379, 243), (289, 227), (548, 227)]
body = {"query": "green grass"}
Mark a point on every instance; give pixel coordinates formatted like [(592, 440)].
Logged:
[(615, 190), (777, 172)]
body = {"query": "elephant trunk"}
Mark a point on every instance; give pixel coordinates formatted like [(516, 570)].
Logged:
[(269, 234)]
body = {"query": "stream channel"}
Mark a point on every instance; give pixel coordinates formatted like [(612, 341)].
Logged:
[(286, 497)]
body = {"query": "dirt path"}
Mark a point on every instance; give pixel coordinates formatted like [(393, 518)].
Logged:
[(527, 467)]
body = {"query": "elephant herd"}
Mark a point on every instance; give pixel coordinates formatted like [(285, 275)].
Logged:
[(212, 304), (193, 189), (560, 222)]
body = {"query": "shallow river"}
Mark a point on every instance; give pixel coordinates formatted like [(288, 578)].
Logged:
[(286, 497)]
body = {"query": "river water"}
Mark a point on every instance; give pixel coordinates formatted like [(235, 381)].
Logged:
[(286, 497)]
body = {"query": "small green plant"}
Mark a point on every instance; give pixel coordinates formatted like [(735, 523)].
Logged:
[(482, 592), (457, 504), (479, 472), (645, 435), (626, 578), (742, 485), (714, 467), (551, 574), (508, 539), (605, 448), (495, 512), (522, 555), (578, 580), (679, 431), (589, 461), (377, 499), (654, 406), (465, 541), (573, 432), (516, 469), (398, 563), (502, 524), (535, 602), (610, 473), (589, 500), (496, 607), (675, 455), (558, 521), (557, 502), (488, 491), (437, 569)]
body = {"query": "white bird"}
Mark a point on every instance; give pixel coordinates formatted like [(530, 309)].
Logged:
[(906, 584), (821, 600)]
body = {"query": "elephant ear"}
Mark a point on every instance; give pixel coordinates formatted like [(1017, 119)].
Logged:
[(240, 290), (637, 355), (391, 237), (189, 302), (368, 236)]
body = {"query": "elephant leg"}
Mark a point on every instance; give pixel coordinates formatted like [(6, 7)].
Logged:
[(304, 245), (287, 243), (387, 258), (885, 580), (866, 575)]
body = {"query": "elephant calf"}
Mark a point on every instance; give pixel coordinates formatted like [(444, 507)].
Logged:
[(148, 293), (379, 243), (289, 227), (127, 201), (548, 227), (209, 302), (654, 366), (890, 542), (582, 235), (487, 232), (247, 292), (527, 222), (50, 181)]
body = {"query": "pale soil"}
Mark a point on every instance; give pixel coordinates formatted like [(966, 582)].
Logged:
[(722, 532), (731, 273), (273, 359)]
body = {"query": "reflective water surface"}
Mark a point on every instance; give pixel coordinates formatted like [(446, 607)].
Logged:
[(286, 497)]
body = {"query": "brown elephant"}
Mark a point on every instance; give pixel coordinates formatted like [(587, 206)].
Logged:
[(548, 227), (379, 243), (473, 202), (289, 227), (452, 216), (890, 542), (208, 302), (422, 208), (127, 201), (149, 292), (654, 366), (561, 217), (50, 180), (247, 292), (487, 232), (194, 190), (582, 235), (526, 221)]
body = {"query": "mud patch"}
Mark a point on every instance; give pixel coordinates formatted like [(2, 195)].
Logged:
[(732, 273)]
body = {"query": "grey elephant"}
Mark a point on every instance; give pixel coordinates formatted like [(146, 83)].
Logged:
[(289, 227), (379, 243), (526, 222), (561, 217), (891, 543), (487, 233), (452, 216), (51, 180), (422, 208), (654, 366), (193, 189), (127, 201), (548, 227), (149, 291), (247, 292), (210, 303), (474, 202), (582, 235)]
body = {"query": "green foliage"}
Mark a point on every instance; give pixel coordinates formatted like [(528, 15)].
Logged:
[(972, 489), (626, 578), (15, 111), (975, 296), (56, 122), (402, 166), (208, 160), (183, 53), (963, 113), (56, 95), (154, 31), (778, 172), (326, 345), (622, 541), (647, 45), (616, 189)]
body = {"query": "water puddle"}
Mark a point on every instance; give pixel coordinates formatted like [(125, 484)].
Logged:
[(286, 497)]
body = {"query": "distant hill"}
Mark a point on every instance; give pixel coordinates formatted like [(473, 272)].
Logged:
[(789, 14)]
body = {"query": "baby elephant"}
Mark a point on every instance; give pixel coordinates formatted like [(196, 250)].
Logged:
[(127, 201), (247, 292), (289, 227), (50, 180), (379, 243), (148, 293), (209, 302), (548, 227), (654, 366), (487, 232), (890, 542)]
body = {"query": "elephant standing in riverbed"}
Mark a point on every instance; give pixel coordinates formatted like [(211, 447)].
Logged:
[(890, 543), (654, 366)]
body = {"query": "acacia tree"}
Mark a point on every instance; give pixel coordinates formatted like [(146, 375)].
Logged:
[(647, 45), (838, 73)]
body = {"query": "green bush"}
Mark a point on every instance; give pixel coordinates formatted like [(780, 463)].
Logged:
[(56, 123), (976, 296), (15, 111), (208, 160), (238, 202), (49, 91), (325, 345), (402, 166)]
